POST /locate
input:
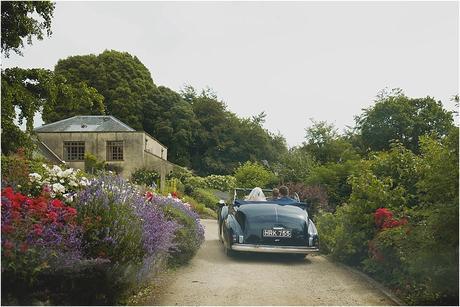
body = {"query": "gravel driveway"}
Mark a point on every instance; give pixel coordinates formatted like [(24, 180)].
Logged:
[(212, 278)]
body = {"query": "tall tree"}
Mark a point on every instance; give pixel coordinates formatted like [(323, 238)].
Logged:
[(295, 165), (169, 118), (336, 158), (121, 78), (325, 144), (24, 20), (398, 117), (224, 140), (29, 91)]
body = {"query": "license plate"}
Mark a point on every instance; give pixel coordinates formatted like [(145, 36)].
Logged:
[(277, 233)]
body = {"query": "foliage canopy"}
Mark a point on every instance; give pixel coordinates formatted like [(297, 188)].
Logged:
[(19, 21)]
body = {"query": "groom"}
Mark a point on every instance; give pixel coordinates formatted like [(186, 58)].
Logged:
[(284, 193)]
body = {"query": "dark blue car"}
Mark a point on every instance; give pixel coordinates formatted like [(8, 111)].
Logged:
[(272, 226)]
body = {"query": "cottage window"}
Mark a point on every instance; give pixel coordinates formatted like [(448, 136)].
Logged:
[(114, 150), (74, 151)]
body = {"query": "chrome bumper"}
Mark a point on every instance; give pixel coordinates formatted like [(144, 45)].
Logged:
[(274, 249)]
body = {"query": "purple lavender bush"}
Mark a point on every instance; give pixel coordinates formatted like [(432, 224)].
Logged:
[(189, 235), (120, 224)]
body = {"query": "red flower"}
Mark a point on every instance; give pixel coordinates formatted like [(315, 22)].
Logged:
[(52, 216), (40, 205), (23, 247), (72, 211), (384, 219), (56, 203), (15, 215), (38, 229), (174, 194), (8, 192), (7, 228), (15, 204), (20, 198), (8, 244), (381, 215), (403, 221)]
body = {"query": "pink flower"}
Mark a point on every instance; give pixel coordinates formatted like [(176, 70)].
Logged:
[(23, 247), (8, 244), (72, 211), (38, 229), (52, 216), (149, 195)]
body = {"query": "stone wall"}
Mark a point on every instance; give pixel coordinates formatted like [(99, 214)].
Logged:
[(139, 149)]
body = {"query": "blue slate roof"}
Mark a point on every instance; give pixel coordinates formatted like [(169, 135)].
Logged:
[(86, 123)]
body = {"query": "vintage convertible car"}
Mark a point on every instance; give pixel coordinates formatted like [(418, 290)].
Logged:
[(272, 226)]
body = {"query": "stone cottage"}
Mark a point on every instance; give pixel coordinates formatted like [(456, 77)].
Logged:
[(108, 139)]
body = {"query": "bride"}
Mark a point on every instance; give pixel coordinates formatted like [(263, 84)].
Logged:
[(256, 194)]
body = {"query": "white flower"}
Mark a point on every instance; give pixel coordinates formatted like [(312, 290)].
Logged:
[(73, 183), (35, 177), (58, 188), (56, 169), (68, 197), (84, 181), (67, 172)]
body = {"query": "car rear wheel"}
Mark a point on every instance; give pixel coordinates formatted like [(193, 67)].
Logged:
[(227, 250)]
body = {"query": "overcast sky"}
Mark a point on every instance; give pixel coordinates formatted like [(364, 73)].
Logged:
[(293, 60)]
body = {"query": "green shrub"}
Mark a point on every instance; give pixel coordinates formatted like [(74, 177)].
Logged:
[(196, 206), (93, 165), (206, 197), (186, 243), (195, 182), (419, 261), (173, 186), (253, 174), (202, 211), (112, 167), (180, 173), (145, 177), (188, 189), (209, 213), (17, 167), (219, 182)]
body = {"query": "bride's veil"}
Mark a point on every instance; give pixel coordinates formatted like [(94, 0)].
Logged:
[(256, 194)]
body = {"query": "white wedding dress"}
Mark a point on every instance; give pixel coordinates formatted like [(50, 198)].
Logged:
[(256, 195)]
